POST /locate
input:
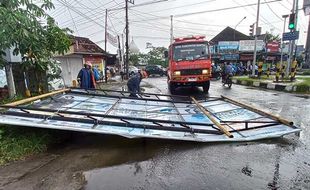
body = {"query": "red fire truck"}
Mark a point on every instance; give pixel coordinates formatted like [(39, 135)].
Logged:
[(189, 63)]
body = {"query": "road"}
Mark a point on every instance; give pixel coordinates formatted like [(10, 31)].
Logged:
[(106, 162)]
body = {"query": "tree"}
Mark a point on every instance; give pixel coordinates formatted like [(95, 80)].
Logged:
[(32, 33), (271, 37), (156, 56), (134, 59)]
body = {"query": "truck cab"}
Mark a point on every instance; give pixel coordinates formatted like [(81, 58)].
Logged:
[(189, 63)]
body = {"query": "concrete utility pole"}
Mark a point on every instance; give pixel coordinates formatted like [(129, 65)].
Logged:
[(284, 25), (307, 59), (256, 33), (292, 43), (10, 80), (105, 45), (171, 29), (126, 43)]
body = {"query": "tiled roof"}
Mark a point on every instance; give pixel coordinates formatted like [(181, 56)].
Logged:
[(85, 46)]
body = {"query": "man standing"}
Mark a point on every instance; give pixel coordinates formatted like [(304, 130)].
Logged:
[(86, 77)]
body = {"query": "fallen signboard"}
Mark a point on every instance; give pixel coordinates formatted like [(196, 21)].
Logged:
[(214, 119)]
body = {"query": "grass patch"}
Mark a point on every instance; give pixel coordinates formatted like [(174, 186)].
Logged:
[(19, 142), (303, 86), (251, 80), (9, 100), (307, 72)]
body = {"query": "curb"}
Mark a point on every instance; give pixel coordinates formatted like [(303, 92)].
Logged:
[(271, 86)]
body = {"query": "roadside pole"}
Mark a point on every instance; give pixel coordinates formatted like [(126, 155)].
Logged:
[(256, 33), (105, 45), (10, 80), (171, 29), (307, 59), (126, 43), (292, 43), (281, 62)]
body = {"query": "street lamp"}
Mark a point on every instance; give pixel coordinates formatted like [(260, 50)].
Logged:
[(281, 62), (236, 27)]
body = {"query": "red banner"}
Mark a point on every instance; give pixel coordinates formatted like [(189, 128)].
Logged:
[(273, 47)]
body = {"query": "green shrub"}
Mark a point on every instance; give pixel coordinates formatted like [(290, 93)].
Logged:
[(306, 72), (302, 88)]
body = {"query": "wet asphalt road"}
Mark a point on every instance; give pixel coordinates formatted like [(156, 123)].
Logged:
[(270, 164), (107, 162)]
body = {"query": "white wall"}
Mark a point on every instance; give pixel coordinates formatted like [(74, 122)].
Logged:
[(70, 65)]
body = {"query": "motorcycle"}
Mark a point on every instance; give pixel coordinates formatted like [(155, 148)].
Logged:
[(227, 79)]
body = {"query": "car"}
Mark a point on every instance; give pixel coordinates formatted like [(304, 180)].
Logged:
[(133, 70), (155, 70)]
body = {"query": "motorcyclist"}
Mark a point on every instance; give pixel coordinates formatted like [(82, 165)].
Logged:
[(228, 71)]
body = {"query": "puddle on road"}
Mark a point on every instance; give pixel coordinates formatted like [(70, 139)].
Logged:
[(118, 177)]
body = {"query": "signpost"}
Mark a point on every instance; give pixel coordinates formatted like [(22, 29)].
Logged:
[(288, 36)]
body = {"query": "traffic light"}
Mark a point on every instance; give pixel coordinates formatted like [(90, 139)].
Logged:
[(291, 24), (252, 29)]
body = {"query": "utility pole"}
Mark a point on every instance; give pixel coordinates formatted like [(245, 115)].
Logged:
[(126, 43), (292, 43), (10, 80), (171, 29), (119, 49), (256, 33), (105, 45), (123, 50), (282, 44), (127, 36), (307, 58)]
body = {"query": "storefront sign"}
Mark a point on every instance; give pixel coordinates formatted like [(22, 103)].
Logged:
[(228, 47), (230, 57), (95, 61), (248, 45), (273, 47)]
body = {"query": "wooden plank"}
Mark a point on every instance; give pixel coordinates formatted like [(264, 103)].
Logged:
[(27, 100), (208, 114), (279, 119)]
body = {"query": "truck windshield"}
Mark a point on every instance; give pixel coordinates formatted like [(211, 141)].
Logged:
[(189, 52)]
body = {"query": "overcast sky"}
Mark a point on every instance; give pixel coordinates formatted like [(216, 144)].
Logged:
[(151, 23)]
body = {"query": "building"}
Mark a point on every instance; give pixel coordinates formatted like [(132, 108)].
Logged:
[(81, 51), (133, 48), (226, 45)]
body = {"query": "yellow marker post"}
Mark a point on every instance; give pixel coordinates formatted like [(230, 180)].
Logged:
[(278, 67), (260, 69), (293, 70)]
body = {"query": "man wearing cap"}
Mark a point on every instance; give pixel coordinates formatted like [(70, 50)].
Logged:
[(86, 77)]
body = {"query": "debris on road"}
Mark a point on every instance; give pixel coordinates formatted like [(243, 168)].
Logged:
[(214, 119)]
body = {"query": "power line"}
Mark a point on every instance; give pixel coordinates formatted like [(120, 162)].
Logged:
[(273, 12), (188, 5), (208, 11)]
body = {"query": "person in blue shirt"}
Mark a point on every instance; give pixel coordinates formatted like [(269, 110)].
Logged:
[(133, 84), (228, 70), (86, 77)]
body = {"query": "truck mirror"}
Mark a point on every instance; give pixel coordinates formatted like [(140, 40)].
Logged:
[(166, 54)]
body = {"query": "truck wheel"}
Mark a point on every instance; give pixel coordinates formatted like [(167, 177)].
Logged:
[(172, 88), (206, 87)]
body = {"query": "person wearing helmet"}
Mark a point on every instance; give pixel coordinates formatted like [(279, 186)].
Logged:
[(133, 83), (86, 77)]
